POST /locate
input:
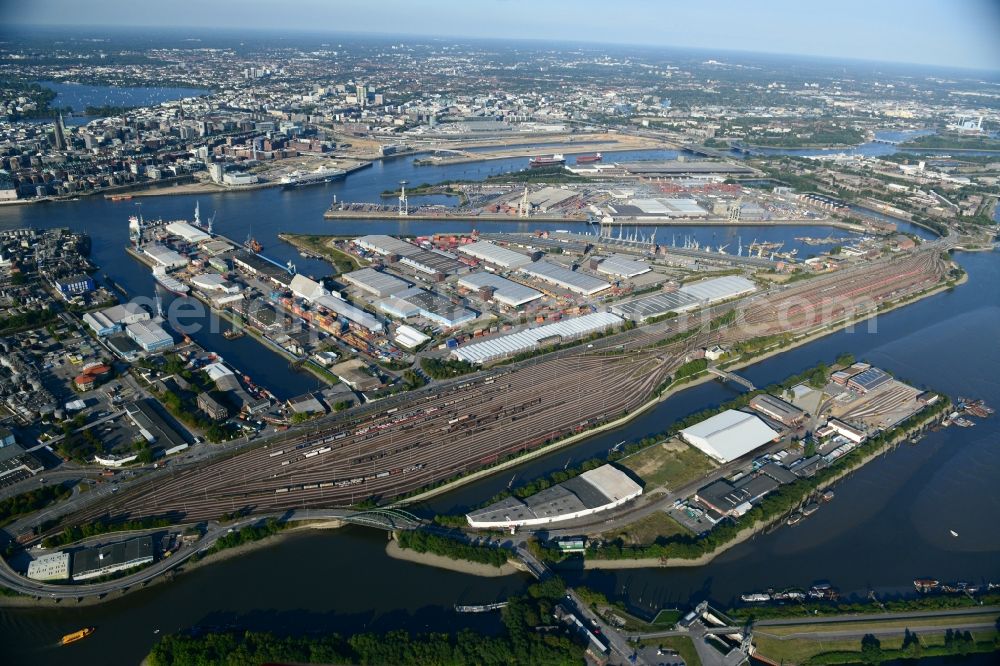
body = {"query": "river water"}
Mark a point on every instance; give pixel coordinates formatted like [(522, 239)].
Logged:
[(889, 523)]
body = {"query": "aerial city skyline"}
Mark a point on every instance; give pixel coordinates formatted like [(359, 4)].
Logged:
[(454, 333)]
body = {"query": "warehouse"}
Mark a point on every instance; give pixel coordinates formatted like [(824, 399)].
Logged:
[(495, 255), (679, 168), (507, 292), (153, 428), (729, 435), (54, 566), (313, 292), (622, 267), (596, 490), (869, 380), (531, 338), (164, 256), (735, 499), (549, 198), (561, 276), (719, 289), (655, 305), (149, 335), (104, 560), (425, 261), (110, 320), (777, 409), (254, 264), (213, 282), (659, 208), (409, 337), (375, 282), (188, 232), (433, 306)]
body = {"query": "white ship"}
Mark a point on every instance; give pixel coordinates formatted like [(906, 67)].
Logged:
[(170, 283), (321, 175)]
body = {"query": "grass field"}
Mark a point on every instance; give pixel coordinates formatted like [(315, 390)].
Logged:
[(906, 623), (647, 530), (672, 463), (802, 650), (683, 646), (323, 246)]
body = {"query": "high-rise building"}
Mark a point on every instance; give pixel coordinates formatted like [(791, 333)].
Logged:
[(60, 137), (362, 95)]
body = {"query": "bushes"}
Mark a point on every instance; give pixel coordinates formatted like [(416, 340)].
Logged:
[(425, 542), (103, 526), (33, 500), (444, 368), (691, 368)]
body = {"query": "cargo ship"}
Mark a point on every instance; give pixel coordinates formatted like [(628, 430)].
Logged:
[(76, 636), (546, 161), (170, 283), (321, 175), (589, 159)]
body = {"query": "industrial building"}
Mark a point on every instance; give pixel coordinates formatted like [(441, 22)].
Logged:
[(409, 337), (188, 232), (254, 264), (54, 566), (729, 435), (17, 464), (313, 292), (432, 262), (659, 208), (533, 338), (493, 287), (619, 266), (714, 290), (681, 168), (111, 320), (561, 276), (735, 499), (212, 407), (550, 198), (75, 284), (428, 304), (109, 559), (495, 255), (375, 282), (154, 428), (596, 490), (777, 409), (213, 282), (164, 256), (149, 335), (655, 305), (869, 380)]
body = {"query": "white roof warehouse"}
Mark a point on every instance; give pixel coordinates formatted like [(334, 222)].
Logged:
[(729, 435)]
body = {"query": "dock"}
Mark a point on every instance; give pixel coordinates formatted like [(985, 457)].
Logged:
[(481, 608)]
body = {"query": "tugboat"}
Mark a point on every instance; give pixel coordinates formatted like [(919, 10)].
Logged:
[(76, 636)]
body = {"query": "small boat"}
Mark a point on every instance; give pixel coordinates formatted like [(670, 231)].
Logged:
[(925, 584), (794, 519), (76, 636), (233, 334), (953, 533), (810, 509), (121, 197), (827, 496)]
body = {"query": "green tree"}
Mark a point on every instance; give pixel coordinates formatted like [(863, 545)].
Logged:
[(871, 649)]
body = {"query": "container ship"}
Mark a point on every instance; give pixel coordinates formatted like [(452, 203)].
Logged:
[(546, 161), (589, 159), (321, 175), (76, 636), (170, 283)]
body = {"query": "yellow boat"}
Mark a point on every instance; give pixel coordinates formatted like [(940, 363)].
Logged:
[(76, 636)]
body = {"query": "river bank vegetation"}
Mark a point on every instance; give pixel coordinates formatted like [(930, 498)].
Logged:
[(519, 642), (455, 549)]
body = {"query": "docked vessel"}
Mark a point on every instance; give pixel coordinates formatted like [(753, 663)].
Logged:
[(794, 519), (757, 597), (234, 333), (589, 159), (170, 283), (925, 584), (320, 175), (76, 636), (546, 161)]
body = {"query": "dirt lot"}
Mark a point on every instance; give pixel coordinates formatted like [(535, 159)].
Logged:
[(672, 463)]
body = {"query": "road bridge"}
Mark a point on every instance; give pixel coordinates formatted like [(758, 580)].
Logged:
[(733, 377)]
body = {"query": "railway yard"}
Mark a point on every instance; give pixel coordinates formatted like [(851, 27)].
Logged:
[(406, 443)]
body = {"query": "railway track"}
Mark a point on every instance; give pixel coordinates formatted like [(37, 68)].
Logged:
[(402, 445)]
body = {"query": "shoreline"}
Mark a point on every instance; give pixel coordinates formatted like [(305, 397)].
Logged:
[(572, 439), (393, 550)]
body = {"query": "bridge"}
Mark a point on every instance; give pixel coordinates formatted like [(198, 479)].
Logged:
[(733, 377), (889, 142), (384, 519), (703, 151)]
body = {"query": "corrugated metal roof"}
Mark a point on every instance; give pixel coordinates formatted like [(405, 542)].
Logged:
[(623, 267), (729, 435), (564, 277), (719, 289), (514, 343), (495, 254), (507, 291)]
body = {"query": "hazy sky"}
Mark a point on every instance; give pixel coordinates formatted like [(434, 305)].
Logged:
[(964, 33)]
